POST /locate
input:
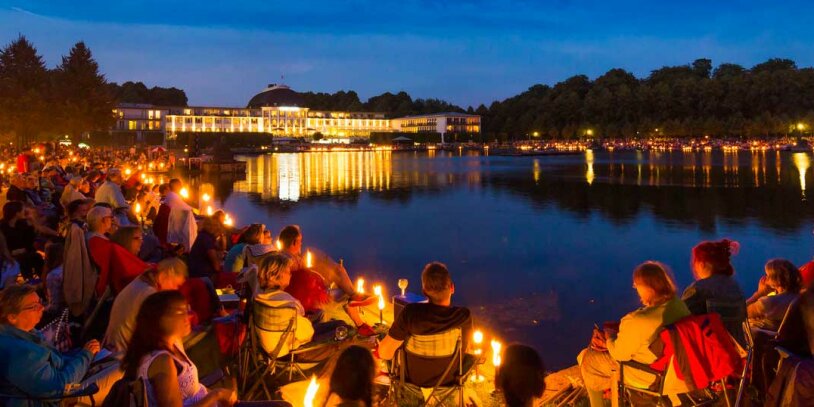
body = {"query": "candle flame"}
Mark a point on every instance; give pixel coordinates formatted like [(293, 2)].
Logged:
[(360, 285), (496, 353), (278, 244), (228, 220), (311, 393), (138, 207), (381, 303), (205, 197), (377, 290), (184, 193), (477, 337), (309, 261), (209, 210)]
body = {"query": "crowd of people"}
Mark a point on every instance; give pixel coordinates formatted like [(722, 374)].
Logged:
[(104, 258)]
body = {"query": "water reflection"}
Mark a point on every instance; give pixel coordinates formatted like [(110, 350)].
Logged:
[(589, 160), (802, 163), (291, 177)]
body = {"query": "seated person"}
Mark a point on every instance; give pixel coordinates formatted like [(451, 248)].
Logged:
[(273, 275), (776, 291), (156, 355), (713, 273), (637, 330), (169, 274), (235, 257), (351, 383), (117, 264), (793, 384), (291, 243), (28, 365), (434, 317)]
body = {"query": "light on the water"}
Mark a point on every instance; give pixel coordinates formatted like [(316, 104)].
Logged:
[(589, 159), (802, 162)]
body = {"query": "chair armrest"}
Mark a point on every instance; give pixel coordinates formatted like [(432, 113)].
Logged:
[(784, 353), (88, 390), (212, 378), (640, 366)]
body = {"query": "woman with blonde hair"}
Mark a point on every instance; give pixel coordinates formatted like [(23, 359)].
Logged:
[(656, 289), (776, 291)]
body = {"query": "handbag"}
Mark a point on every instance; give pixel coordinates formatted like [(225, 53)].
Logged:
[(58, 333)]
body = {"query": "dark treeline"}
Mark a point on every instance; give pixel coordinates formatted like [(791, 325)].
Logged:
[(395, 105), (71, 99), (137, 92), (676, 101)]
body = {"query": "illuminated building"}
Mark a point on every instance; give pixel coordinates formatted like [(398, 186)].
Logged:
[(280, 111), (447, 122)]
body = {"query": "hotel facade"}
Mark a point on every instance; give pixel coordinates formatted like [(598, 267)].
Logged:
[(281, 112)]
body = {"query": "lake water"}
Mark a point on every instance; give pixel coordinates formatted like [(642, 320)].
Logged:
[(539, 247)]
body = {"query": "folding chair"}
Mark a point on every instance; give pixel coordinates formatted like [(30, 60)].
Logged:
[(87, 391), (733, 315), (281, 324), (441, 346), (674, 389)]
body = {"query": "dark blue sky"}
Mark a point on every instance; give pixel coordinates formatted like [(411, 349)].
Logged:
[(468, 52)]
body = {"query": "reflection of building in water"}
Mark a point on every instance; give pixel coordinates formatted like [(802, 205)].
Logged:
[(802, 162), (589, 160), (290, 177)]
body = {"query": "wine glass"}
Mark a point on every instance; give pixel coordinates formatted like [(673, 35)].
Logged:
[(341, 333), (403, 285)]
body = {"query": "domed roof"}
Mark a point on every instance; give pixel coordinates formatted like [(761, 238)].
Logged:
[(276, 95)]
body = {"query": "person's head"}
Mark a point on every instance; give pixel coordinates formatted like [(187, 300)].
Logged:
[(20, 307), (710, 258), (213, 224), (129, 237), (352, 376), (783, 276), (291, 239), (100, 219), (253, 234), (521, 377), (13, 210), (436, 283), (161, 321), (54, 253), (169, 274), (175, 185), (115, 176), (219, 217), (78, 208), (163, 188), (274, 271), (84, 186), (75, 181), (654, 283), (19, 180)]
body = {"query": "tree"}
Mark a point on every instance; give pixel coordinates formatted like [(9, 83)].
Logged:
[(24, 91), (84, 101)]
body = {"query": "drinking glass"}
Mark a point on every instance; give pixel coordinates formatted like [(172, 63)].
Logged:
[(403, 285)]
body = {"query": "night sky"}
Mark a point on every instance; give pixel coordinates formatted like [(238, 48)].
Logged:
[(466, 52)]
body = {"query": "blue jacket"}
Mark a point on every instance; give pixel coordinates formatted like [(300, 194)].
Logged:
[(30, 366)]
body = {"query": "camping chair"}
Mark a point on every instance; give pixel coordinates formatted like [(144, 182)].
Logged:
[(667, 384), (87, 391), (441, 346), (282, 323), (733, 314)]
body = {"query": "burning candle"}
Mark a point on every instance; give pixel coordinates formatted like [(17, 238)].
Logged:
[(209, 210), (381, 308), (138, 208), (228, 220), (360, 285), (184, 193), (311, 392), (477, 338), (496, 353), (205, 197), (309, 261), (279, 245), (377, 290)]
